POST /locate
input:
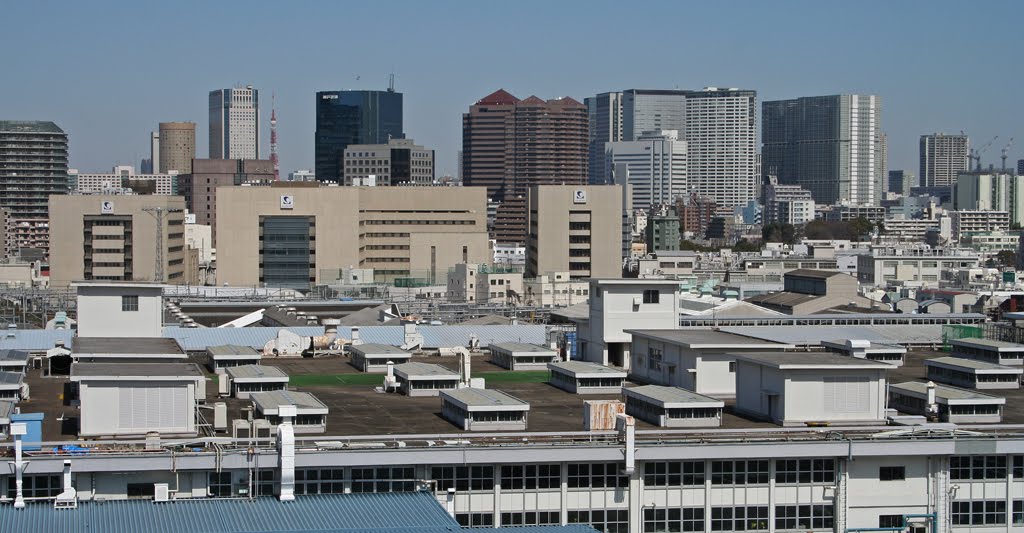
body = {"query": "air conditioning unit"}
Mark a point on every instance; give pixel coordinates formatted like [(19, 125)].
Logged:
[(161, 492)]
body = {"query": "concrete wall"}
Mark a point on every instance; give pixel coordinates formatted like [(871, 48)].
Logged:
[(612, 311), (551, 209), (802, 395), (169, 408), (100, 314)]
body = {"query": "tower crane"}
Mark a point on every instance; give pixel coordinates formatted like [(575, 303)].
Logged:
[(1005, 151), (976, 154)]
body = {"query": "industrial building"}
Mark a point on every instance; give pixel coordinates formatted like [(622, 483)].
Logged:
[(581, 377), (244, 380), (376, 357), (973, 374), (673, 407), (286, 237), (522, 356)]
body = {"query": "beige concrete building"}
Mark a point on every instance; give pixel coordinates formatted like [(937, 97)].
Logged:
[(483, 284), (576, 229), (177, 147), (114, 238), (284, 236)]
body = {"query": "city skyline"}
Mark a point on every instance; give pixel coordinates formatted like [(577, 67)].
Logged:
[(109, 124)]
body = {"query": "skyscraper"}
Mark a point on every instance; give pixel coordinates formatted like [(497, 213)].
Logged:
[(33, 166), (510, 145), (177, 147), (652, 109), (826, 144), (235, 123), (154, 151), (721, 140), (353, 117), (605, 125), (654, 166), (943, 158)]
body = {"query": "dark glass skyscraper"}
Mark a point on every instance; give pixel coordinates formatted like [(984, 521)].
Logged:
[(353, 117)]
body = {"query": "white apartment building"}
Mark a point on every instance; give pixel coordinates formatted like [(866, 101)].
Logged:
[(889, 265), (991, 191), (721, 141), (123, 179), (235, 123), (969, 222), (617, 305), (654, 164), (943, 158)]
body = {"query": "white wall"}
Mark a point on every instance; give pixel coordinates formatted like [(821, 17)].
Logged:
[(803, 396), (100, 315), (612, 311), (137, 407)]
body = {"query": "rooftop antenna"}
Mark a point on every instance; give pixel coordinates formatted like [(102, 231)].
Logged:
[(391, 82)]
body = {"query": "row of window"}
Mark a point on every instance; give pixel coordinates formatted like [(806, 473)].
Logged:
[(741, 472)]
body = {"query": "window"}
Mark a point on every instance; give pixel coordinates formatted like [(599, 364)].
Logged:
[(595, 476), (130, 302), (220, 484), (604, 520), (531, 518), (804, 517), (1018, 512), (977, 467), (529, 477), (805, 471), (37, 486), (463, 478), (892, 473), (978, 513), (317, 481), (739, 518), (475, 519), (672, 474), (651, 296), (384, 479), (890, 520), (739, 472), (673, 519)]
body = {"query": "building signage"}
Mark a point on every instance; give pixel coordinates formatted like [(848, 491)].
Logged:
[(287, 202), (579, 196), (106, 207)]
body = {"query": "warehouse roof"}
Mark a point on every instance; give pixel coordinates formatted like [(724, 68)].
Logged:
[(383, 512)]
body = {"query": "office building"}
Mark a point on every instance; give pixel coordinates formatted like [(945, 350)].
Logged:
[(301, 175), (1020, 167), (353, 117), (235, 123), (123, 179), (108, 237), (200, 187), (33, 167), (154, 152), (662, 232), (654, 166), (721, 143), (826, 144), (787, 204), (576, 229), (991, 191), (604, 113), (900, 182), (398, 161), (652, 109), (285, 236), (510, 145), (967, 223), (943, 158), (177, 147)]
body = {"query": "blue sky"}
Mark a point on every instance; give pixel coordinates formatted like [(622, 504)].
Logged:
[(108, 72)]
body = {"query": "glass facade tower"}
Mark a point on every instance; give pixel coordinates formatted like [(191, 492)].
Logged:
[(353, 117)]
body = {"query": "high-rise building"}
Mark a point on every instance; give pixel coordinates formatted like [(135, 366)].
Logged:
[(695, 213), (826, 144), (576, 229), (900, 182), (301, 175), (114, 237), (398, 161), (654, 166), (990, 191), (353, 117), (177, 146), (154, 151), (33, 167), (235, 123), (510, 145), (881, 166), (605, 126), (652, 109), (786, 204), (943, 158), (200, 187), (1020, 167), (721, 143)]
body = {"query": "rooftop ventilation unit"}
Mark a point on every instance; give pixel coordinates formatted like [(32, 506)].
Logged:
[(161, 492)]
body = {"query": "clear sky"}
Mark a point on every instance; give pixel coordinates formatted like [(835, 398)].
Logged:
[(107, 72)]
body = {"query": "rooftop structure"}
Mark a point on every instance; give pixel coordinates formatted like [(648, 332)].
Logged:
[(863, 349), (425, 379), (244, 380), (484, 410), (581, 377), (522, 356), (110, 349), (992, 351), (973, 374), (673, 407), (375, 357), (948, 404), (311, 413), (225, 356)]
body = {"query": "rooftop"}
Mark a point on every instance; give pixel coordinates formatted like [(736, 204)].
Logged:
[(521, 347), (28, 126), (973, 364), (989, 343), (255, 372), (271, 400), (231, 349), (13, 356), (583, 367), (373, 348), (811, 360), (705, 338), (11, 378), (871, 347), (120, 284), (135, 370), (484, 398), (816, 274), (946, 392), (669, 396), (425, 370), (86, 346)]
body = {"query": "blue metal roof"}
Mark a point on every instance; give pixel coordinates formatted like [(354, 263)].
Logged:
[(195, 339), (410, 512), (455, 335), (35, 339)]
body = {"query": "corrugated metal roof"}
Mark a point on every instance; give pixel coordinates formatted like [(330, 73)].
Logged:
[(455, 335), (35, 339), (367, 512), (198, 339)]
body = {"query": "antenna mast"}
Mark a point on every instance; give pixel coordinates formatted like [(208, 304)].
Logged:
[(273, 136)]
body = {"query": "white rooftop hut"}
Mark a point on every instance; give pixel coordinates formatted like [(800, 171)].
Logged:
[(374, 358), (810, 388), (973, 374), (948, 404), (311, 413), (225, 356), (484, 410), (248, 379), (521, 355), (425, 379), (864, 349), (673, 407), (133, 399), (581, 377), (992, 351)]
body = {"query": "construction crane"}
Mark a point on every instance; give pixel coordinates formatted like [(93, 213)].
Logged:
[(1005, 152), (158, 213), (976, 154)]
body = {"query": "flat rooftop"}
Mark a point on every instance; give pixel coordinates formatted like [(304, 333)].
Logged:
[(673, 396), (425, 370), (811, 361), (135, 370), (13, 356), (519, 347), (484, 398), (973, 364), (96, 346), (871, 347), (705, 338), (232, 349), (11, 378), (255, 372), (988, 343), (272, 400), (377, 349)]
